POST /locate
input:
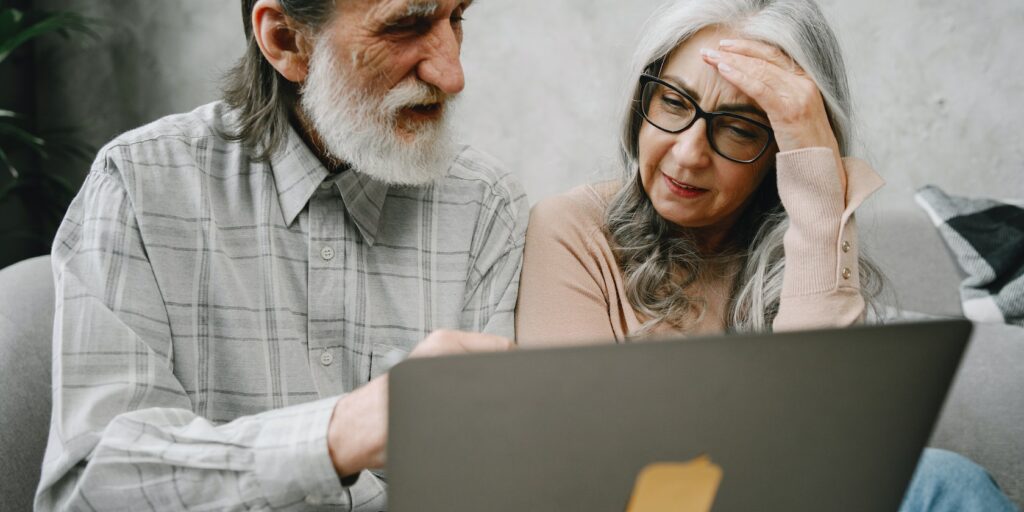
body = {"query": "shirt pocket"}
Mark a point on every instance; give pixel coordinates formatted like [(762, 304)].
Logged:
[(384, 356)]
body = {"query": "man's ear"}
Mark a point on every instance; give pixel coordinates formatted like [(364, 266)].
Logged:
[(283, 44)]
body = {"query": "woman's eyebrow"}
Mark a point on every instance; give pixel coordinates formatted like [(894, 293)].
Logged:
[(680, 84), (741, 108), (728, 107)]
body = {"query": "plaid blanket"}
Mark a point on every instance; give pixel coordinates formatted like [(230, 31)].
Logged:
[(987, 239)]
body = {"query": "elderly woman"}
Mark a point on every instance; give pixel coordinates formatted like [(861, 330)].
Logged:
[(735, 211)]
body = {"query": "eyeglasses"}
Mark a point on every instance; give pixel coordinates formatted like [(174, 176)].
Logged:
[(731, 135)]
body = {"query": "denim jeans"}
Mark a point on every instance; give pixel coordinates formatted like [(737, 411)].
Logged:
[(945, 481)]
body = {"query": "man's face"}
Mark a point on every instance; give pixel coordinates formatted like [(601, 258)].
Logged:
[(387, 42), (381, 78)]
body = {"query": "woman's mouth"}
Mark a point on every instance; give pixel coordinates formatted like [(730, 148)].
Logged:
[(682, 189)]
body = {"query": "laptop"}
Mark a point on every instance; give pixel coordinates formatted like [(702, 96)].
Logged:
[(815, 420)]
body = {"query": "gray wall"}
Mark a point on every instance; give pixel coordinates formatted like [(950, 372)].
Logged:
[(938, 83)]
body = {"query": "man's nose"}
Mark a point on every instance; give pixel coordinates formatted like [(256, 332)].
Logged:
[(441, 65), (692, 147)]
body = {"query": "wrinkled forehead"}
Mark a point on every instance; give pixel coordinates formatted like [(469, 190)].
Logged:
[(685, 66), (389, 9)]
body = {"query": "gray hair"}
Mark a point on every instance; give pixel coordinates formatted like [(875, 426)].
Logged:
[(262, 98), (660, 260)]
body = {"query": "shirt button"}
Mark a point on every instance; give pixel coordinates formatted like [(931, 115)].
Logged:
[(326, 358), (847, 272), (327, 253), (846, 246)]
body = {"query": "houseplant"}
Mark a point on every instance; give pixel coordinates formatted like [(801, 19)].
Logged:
[(32, 199)]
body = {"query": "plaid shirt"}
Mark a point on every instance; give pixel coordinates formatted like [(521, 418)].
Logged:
[(211, 309)]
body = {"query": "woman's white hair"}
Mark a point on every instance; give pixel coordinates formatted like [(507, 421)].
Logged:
[(659, 260)]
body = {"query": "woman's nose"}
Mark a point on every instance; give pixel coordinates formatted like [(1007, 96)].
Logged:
[(692, 147)]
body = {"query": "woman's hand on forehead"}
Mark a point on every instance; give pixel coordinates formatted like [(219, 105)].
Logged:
[(790, 97)]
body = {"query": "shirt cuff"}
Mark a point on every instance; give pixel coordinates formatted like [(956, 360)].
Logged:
[(810, 189), (293, 463)]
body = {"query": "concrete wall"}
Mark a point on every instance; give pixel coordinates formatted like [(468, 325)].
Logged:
[(938, 83)]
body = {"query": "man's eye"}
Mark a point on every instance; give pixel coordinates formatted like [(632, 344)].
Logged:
[(457, 18)]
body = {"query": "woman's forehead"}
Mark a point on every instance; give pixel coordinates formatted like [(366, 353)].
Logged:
[(686, 67)]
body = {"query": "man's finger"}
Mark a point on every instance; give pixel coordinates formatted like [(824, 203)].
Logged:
[(479, 342), (446, 342)]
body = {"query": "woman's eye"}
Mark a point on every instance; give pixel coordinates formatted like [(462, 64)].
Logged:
[(674, 103), (740, 132)]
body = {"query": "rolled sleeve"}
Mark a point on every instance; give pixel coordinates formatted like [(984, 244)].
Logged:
[(292, 459)]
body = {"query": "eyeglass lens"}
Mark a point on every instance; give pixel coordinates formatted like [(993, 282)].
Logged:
[(733, 137)]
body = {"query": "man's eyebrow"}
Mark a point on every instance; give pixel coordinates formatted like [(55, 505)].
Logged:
[(421, 8), (738, 108)]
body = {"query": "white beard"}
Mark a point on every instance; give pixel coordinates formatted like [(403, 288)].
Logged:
[(362, 131)]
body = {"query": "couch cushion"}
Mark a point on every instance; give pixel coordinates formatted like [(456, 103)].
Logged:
[(987, 238), (921, 270), (26, 325)]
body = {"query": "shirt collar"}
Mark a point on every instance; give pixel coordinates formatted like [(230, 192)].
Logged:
[(298, 172), (364, 200)]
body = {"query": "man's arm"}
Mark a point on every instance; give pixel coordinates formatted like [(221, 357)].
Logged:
[(493, 286), (123, 435)]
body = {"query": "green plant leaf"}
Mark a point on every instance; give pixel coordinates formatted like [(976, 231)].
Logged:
[(61, 22), (7, 164), (65, 141), (11, 114), (16, 134), (8, 189), (10, 18)]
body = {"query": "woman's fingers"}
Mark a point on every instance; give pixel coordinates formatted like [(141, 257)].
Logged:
[(792, 102), (776, 78), (753, 79), (762, 51), (783, 95)]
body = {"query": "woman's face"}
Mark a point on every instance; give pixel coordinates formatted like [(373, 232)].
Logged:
[(689, 183)]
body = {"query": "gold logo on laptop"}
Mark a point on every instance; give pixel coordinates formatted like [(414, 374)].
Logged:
[(676, 486)]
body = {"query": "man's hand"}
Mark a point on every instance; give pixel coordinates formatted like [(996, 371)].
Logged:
[(358, 432)]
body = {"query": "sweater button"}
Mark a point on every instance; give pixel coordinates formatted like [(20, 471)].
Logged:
[(847, 272), (846, 246)]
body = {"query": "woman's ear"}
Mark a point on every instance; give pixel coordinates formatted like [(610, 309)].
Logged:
[(283, 44)]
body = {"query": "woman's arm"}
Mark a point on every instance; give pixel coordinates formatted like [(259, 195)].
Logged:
[(563, 297), (821, 281)]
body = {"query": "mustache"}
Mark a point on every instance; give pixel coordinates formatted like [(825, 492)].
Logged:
[(411, 93)]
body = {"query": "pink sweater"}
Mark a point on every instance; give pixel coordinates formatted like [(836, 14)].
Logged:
[(572, 290)]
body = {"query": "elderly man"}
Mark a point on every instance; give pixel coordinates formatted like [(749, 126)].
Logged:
[(233, 283)]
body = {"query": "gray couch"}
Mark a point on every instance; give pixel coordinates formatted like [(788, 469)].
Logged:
[(983, 417)]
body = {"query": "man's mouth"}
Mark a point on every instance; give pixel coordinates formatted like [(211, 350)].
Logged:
[(424, 111)]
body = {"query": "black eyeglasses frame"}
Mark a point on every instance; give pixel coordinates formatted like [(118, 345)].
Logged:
[(701, 114)]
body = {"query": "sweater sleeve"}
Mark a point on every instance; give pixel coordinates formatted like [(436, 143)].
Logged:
[(821, 281), (562, 294)]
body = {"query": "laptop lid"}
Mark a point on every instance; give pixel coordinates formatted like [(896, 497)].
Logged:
[(822, 420)]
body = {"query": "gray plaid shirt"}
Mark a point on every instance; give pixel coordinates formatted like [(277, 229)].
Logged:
[(211, 309)]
